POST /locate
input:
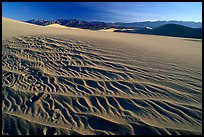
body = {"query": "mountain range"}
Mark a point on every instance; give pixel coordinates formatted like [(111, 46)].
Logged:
[(102, 25), (94, 25), (154, 24), (174, 30), (165, 28)]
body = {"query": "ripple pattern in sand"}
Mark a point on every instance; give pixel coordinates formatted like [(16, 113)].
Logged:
[(56, 86)]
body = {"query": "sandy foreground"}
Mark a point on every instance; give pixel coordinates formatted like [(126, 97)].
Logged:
[(60, 80)]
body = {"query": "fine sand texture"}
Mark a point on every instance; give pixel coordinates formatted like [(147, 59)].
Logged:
[(58, 81)]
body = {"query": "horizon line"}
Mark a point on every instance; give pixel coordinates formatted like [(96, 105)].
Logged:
[(109, 21)]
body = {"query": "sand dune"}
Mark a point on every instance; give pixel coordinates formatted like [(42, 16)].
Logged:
[(61, 26), (56, 25), (108, 30), (58, 81)]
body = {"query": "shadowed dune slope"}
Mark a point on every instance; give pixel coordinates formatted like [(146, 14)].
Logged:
[(58, 81), (173, 30)]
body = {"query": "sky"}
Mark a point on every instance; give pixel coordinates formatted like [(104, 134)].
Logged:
[(104, 11)]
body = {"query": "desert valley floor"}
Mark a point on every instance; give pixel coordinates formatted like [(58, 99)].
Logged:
[(73, 81)]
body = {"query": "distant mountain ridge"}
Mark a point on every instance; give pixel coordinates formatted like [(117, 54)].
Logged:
[(174, 30), (164, 28), (103, 25), (154, 24), (94, 25)]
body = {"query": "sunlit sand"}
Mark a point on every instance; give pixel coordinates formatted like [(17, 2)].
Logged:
[(71, 81)]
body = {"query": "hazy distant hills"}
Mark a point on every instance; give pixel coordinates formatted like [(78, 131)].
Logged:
[(165, 28), (169, 30), (155, 24), (102, 25)]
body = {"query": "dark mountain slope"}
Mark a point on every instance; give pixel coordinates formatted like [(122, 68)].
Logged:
[(154, 24), (174, 30)]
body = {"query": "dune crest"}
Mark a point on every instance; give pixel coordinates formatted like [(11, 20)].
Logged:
[(56, 25)]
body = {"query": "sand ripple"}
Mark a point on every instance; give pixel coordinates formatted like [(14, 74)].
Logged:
[(53, 86)]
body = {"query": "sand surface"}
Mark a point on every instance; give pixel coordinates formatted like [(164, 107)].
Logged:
[(108, 30), (56, 26), (69, 81)]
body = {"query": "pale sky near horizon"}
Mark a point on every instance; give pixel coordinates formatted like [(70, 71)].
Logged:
[(104, 11)]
